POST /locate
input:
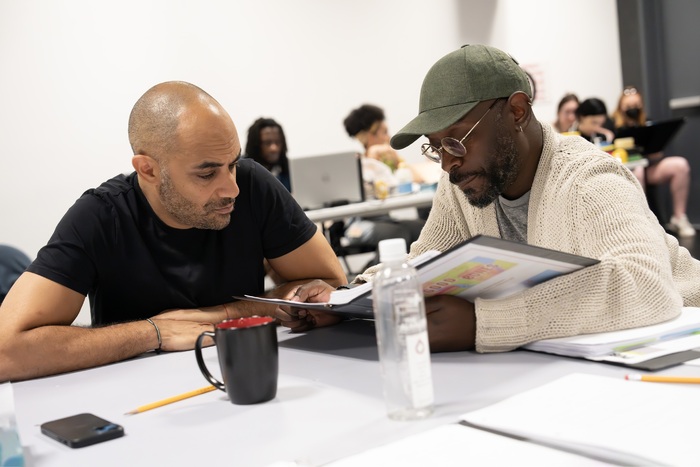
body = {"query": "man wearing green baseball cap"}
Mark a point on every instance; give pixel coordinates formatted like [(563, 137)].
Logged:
[(507, 175)]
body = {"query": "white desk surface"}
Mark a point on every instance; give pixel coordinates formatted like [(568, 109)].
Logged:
[(329, 403), (372, 207), (637, 163)]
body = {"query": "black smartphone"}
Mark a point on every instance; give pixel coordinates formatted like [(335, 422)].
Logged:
[(82, 430)]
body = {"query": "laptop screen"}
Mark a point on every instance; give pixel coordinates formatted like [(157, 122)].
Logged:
[(326, 180)]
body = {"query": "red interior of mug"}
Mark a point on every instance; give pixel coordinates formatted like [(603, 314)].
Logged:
[(244, 322)]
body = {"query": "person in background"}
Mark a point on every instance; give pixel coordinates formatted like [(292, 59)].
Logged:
[(12, 264), (367, 125), (379, 163), (566, 113), (593, 123), (161, 252), (674, 170), (267, 146), (507, 175)]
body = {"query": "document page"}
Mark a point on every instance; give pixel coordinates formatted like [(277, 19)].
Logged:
[(480, 267), (652, 423), (457, 445)]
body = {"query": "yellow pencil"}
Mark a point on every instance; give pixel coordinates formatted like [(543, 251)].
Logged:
[(663, 379), (170, 400)]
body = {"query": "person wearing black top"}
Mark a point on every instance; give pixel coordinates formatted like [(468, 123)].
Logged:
[(267, 146), (593, 123), (161, 252), (674, 170)]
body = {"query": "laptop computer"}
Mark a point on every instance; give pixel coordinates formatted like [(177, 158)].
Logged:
[(653, 137), (326, 180)]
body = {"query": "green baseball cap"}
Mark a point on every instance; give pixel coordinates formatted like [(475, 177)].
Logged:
[(457, 83)]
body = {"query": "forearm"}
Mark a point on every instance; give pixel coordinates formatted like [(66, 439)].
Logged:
[(48, 350), (601, 298)]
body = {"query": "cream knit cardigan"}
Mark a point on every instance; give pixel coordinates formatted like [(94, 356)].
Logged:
[(585, 202)]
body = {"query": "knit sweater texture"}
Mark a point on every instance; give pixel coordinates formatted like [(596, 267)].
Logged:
[(582, 201)]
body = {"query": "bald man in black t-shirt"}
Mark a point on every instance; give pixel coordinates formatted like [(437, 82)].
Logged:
[(172, 243)]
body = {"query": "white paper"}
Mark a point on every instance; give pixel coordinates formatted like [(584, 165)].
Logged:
[(456, 445), (653, 421)]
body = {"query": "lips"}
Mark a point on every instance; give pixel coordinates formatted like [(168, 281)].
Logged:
[(227, 209), (464, 182)]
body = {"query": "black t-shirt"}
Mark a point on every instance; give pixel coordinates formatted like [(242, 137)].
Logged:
[(609, 124), (111, 246)]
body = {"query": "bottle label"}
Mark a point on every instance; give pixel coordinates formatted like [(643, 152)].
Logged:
[(413, 331), (418, 353)]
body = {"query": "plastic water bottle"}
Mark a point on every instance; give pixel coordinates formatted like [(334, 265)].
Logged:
[(402, 335), (404, 179)]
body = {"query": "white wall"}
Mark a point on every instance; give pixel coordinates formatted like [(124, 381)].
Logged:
[(72, 69), (569, 46)]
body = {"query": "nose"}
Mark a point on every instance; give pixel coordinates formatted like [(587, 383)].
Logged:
[(229, 188), (448, 161)]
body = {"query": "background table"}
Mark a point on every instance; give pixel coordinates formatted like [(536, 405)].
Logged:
[(373, 207), (329, 403)]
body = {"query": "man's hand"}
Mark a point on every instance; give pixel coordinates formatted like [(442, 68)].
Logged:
[(299, 319), (451, 323)]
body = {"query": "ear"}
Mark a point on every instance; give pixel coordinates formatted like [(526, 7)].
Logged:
[(521, 106), (147, 168)]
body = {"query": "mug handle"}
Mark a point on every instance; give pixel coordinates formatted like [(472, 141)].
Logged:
[(200, 361)]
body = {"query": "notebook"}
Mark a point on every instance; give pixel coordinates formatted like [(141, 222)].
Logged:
[(654, 137), (326, 180)]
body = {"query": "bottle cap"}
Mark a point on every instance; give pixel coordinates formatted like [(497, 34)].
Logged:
[(393, 249)]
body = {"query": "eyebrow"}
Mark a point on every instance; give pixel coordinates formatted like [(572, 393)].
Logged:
[(210, 165)]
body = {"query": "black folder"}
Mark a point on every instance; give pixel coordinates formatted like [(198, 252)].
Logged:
[(654, 136)]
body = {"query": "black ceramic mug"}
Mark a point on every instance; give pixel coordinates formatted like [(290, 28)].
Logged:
[(248, 358)]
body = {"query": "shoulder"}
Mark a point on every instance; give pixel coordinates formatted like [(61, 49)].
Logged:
[(570, 164), (574, 153), (260, 187), (100, 206), (114, 191), (248, 171)]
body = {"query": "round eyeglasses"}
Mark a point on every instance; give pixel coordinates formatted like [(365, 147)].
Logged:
[(453, 146)]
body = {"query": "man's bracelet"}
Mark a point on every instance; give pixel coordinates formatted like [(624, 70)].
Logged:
[(160, 342)]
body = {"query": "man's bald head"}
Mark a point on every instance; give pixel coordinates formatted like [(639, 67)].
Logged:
[(156, 116)]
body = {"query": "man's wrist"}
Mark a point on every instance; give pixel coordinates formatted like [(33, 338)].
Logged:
[(160, 340)]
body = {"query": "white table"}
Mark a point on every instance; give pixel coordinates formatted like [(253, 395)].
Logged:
[(643, 162), (372, 207), (329, 403)]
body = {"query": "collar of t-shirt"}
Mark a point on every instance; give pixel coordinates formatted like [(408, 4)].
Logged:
[(511, 216)]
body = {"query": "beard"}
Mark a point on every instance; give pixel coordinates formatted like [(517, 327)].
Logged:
[(500, 173), (188, 213)]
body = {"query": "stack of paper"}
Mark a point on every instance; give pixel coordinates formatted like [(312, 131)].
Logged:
[(609, 343)]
